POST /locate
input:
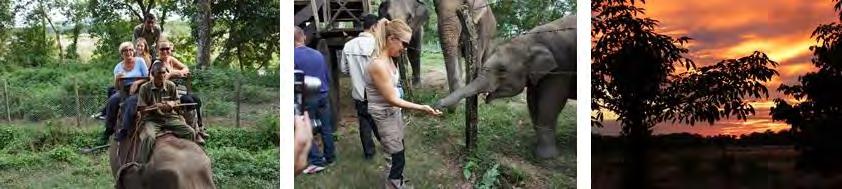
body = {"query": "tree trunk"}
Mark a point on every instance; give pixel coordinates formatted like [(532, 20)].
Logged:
[(637, 133), (46, 18), (204, 29)]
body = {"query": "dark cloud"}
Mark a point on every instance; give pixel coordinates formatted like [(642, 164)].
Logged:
[(725, 29)]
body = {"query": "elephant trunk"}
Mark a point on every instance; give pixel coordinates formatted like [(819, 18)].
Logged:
[(480, 84)]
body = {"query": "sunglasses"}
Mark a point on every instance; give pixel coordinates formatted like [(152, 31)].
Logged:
[(165, 49), (404, 43), (127, 50)]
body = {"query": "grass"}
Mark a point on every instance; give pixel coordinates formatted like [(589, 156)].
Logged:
[(709, 167), (435, 146), (46, 155)]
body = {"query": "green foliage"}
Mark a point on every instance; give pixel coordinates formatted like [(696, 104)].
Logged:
[(243, 138), (63, 154), (111, 29), (32, 48), (54, 148), (7, 17), (231, 164), (251, 30), (516, 17), (489, 179)]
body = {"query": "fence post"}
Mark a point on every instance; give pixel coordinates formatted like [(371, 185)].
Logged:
[(6, 97), (78, 104), (237, 88), (469, 38)]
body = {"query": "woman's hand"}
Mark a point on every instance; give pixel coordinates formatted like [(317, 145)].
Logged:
[(430, 110)]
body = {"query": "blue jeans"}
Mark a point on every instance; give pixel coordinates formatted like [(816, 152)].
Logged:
[(320, 109), (128, 109)]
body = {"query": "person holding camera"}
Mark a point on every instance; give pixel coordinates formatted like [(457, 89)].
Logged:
[(357, 54), (313, 64), (383, 93), (303, 140)]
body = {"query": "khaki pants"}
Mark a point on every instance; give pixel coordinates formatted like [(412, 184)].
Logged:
[(152, 129), (390, 126)]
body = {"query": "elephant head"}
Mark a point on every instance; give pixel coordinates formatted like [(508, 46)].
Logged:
[(128, 176), (412, 11), (507, 72)]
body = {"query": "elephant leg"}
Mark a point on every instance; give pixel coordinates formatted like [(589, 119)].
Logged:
[(414, 54), (545, 102), (449, 32)]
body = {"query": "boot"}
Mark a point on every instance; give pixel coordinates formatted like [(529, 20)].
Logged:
[(200, 140), (202, 132)]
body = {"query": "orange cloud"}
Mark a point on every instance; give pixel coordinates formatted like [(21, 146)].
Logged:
[(726, 29)]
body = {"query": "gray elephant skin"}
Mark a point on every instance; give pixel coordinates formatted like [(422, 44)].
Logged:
[(416, 15), (449, 30), (174, 163), (544, 61)]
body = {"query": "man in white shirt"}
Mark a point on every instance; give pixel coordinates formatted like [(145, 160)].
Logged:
[(356, 56)]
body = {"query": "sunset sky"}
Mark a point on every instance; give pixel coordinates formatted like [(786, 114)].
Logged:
[(724, 29)]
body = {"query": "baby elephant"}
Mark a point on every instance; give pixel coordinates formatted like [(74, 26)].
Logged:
[(542, 60)]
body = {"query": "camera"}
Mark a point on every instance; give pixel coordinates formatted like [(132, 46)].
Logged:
[(304, 87)]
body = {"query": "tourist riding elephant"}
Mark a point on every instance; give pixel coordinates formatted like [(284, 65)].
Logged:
[(544, 61), (449, 30), (415, 14), (174, 163)]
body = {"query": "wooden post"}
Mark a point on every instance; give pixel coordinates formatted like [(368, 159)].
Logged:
[(469, 38), (78, 104), (6, 97), (402, 62), (237, 88)]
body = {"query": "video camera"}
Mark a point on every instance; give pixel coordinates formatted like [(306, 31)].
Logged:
[(304, 87)]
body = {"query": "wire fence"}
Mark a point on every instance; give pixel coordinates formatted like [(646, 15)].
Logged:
[(19, 104)]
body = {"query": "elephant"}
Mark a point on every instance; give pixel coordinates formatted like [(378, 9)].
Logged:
[(174, 163), (415, 14), (544, 61), (449, 29)]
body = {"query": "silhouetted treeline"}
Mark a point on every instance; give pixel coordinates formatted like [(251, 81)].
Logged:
[(687, 140)]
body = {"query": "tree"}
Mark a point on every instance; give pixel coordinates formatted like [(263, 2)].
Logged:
[(815, 118), (516, 17), (247, 32), (32, 43), (7, 18), (111, 28), (634, 75), (203, 29), (76, 14)]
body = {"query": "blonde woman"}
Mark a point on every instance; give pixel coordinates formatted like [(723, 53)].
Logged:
[(129, 73), (384, 98), (142, 51), (178, 69)]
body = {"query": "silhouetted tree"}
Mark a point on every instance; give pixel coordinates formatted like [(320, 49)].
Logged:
[(634, 75), (816, 118)]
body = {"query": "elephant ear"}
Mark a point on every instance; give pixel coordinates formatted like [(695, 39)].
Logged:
[(541, 63), (124, 172)]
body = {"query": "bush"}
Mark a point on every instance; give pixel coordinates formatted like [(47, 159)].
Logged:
[(232, 162), (241, 138), (63, 154)]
